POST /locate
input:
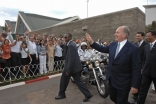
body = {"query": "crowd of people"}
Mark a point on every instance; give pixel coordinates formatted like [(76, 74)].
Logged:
[(43, 53), (40, 52)]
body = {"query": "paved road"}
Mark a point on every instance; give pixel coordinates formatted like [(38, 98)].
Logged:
[(43, 92)]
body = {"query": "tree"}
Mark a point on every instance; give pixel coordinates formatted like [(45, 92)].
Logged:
[(151, 26)]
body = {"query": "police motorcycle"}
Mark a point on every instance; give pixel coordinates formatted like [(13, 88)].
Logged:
[(94, 71)]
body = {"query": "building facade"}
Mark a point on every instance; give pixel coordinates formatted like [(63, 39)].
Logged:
[(101, 27), (150, 11)]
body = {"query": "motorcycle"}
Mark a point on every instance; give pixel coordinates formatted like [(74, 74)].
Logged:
[(94, 71)]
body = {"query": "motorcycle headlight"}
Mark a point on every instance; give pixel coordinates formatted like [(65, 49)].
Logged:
[(97, 63), (90, 66)]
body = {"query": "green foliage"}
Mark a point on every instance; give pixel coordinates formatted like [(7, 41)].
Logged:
[(151, 26)]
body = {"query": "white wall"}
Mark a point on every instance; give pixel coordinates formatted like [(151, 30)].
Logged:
[(150, 15)]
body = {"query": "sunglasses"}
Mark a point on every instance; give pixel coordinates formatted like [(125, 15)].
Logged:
[(65, 37)]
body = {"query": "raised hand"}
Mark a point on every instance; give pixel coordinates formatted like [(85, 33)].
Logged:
[(27, 32), (9, 28), (89, 39)]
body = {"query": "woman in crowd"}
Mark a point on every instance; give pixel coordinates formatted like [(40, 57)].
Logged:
[(26, 58), (6, 56), (42, 57), (50, 49)]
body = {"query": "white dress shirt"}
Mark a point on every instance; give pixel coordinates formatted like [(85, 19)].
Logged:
[(24, 52), (58, 51), (31, 46), (153, 43), (15, 48), (122, 44), (69, 42), (141, 43)]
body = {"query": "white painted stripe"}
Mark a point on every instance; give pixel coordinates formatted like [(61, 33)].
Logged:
[(56, 75), (12, 85), (23, 83)]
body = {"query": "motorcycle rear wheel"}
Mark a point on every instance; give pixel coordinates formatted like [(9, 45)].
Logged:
[(104, 88)]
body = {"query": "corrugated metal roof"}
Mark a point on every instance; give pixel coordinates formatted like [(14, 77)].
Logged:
[(12, 24), (38, 21)]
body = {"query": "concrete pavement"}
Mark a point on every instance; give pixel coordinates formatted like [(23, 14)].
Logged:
[(44, 92)]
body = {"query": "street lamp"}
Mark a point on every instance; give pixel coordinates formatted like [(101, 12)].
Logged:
[(87, 8)]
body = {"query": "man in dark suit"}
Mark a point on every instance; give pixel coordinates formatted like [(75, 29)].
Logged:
[(141, 44), (149, 68), (124, 69), (72, 68)]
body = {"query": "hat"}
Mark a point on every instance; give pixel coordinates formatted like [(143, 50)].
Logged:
[(83, 44)]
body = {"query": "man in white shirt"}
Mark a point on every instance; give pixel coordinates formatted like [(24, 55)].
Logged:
[(33, 53), (15, 54)]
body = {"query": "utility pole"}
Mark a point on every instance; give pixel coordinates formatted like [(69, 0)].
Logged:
[(87, 8)]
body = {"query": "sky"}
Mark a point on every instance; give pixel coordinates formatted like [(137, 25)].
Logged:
[(66, 8)]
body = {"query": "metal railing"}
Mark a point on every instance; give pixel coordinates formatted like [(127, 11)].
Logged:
[(11, 74)]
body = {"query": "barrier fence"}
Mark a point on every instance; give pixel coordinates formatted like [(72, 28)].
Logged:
[(11, 74)]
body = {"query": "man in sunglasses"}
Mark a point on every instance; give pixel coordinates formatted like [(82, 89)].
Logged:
[(72, 68)]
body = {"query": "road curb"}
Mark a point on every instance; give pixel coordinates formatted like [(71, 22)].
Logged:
[(30, 81)]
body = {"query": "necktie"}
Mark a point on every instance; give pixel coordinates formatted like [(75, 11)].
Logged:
[(138, 44), (117, 50), (151, 45)]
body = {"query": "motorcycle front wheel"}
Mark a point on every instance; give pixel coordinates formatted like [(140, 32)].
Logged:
[(103, 90)]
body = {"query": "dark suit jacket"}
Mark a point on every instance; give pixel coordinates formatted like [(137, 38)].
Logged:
[(149, 68), (64, 47), (124, 71), (141, 49), (72, 61)]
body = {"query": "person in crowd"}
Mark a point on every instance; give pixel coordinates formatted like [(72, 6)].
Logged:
[(141, 44), (6, 48), (82, 51), (33, 53), (39, 37), (58, 51), (148, 70), (25, 57), (15, 53), (42, 57), (105, 44), (58, 55), (64, 47), (124, 68), (23, 39), (51, 53), (72, 68), (99, 41), (78, 44)]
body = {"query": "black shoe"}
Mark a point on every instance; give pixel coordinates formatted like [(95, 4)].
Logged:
[(86, 99), (60, 97)]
